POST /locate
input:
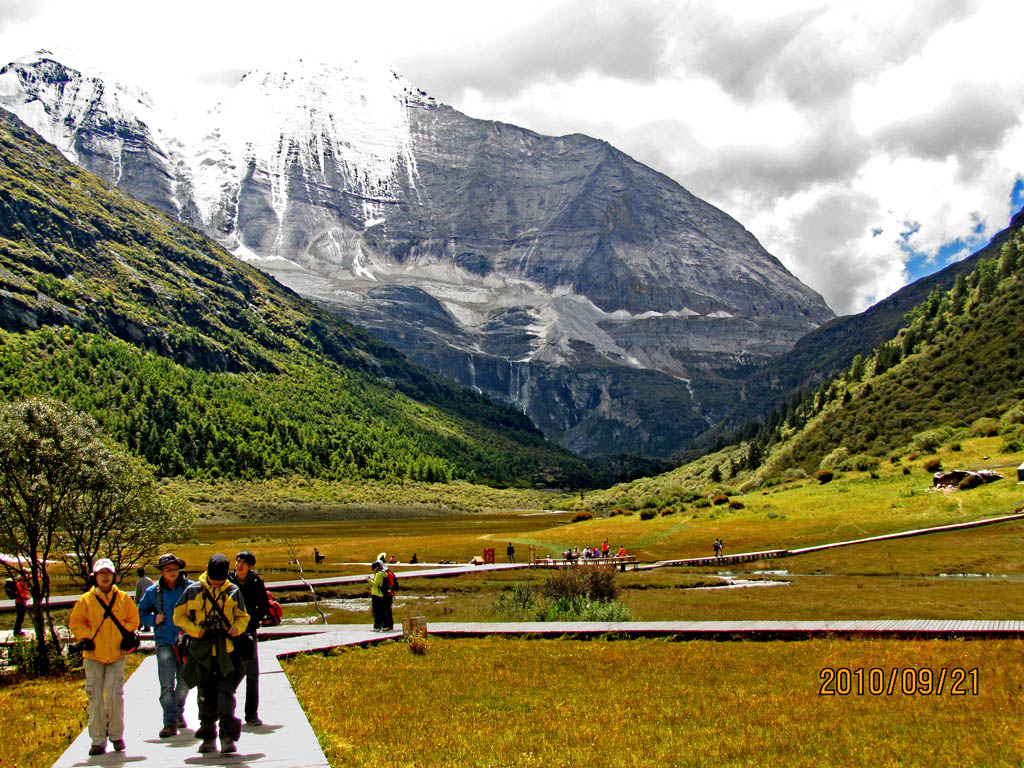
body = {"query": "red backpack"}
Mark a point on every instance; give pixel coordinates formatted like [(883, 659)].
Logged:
[(274, 612), (392, 583)]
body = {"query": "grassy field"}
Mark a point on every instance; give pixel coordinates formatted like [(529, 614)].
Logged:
[(646, 702), (42, 717)]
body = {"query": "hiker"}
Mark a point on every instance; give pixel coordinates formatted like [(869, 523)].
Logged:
[(376, 580), (511, 552), (605, 548), (212, 612), (156, 610), (388, 593), (100, 622), (317, 557), (414, 559), (142, 584), (21, 597), (254, 592)]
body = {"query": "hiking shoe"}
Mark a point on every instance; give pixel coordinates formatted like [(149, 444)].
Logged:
[(97, 749), (208, 745), (227, 745), (167, 731), (181, 722), (118, 745), (253, 721)]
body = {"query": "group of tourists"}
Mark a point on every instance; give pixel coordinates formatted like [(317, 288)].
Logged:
[(589, 553), (205, 636)]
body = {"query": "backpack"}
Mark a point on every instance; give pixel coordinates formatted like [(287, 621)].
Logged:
[(392, 583), (10, 589), (274, 612)]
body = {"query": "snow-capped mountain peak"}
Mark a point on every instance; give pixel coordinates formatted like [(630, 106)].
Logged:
[(350, 123)]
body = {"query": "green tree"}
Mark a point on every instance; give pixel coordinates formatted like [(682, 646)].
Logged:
[(57, 475)]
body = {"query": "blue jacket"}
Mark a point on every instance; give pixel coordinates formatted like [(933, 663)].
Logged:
[(165, 632)]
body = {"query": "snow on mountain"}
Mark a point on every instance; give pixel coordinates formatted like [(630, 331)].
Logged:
[(353, 120), (555, 272)]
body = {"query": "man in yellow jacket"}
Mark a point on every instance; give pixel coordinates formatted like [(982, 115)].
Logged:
[(212, 613), (103, 656)]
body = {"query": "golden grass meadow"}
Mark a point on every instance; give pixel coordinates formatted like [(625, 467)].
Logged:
[(525, 703), (627, 702)]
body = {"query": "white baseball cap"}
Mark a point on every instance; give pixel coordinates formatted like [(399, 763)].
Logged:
[(104, 564)]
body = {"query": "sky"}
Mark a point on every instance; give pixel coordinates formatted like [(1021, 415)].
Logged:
[(865, 144)]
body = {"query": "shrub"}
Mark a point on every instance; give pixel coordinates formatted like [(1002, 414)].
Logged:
[(1011, 419), (985, 427), (735, 505), (930, 440), (668, 511), (793, 473), (648, 514), (23, 654), (418, 642), (579, 517), (719, 498), (702, 503), (584, 609), (861, 463), (617, 511), (835, 458), (932, 465), (970, 481), (593, 582), (824, 476), (517, 604)]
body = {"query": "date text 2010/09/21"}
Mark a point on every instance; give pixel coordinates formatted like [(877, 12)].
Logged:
[(905, 681)]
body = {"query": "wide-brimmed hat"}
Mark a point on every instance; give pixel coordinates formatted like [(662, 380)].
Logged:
[(169, 559)]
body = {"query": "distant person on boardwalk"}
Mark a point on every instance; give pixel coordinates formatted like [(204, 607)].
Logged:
[(388, 593), (605, 548), (21, 598), (156, 610), (376, 579), (415, 559), (317, 557), (718, 548), (212, 613), (511, 552), (97, 621), (142, 584), (254, 592)]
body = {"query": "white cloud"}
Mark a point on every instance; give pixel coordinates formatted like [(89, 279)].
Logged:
[(816, 123)]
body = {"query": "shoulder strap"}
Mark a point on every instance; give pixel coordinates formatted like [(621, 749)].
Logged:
[(216, 606), (108, 611), (159, 598)]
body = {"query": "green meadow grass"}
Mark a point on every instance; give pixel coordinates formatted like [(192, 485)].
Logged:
[(653, 702)]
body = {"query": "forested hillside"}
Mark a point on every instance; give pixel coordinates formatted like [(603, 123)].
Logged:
[(958, 364), (209, 368)]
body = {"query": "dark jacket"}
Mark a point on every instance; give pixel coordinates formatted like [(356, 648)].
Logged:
[(254, 592)]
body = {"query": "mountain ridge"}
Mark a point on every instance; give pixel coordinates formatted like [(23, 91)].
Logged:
[(555, 273)]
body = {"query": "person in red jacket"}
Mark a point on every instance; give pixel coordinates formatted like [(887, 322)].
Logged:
[(103, 656), (21, 598)]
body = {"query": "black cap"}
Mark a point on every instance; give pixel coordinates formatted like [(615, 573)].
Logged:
[(217, 568)]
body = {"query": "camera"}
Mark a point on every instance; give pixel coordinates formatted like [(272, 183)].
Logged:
[(212, 624), (83, 645)]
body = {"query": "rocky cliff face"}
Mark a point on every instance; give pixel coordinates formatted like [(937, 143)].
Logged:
[(553, 272)]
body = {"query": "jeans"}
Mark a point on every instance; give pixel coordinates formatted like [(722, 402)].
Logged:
[(173, 690), (104, 687), (252, 683)]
